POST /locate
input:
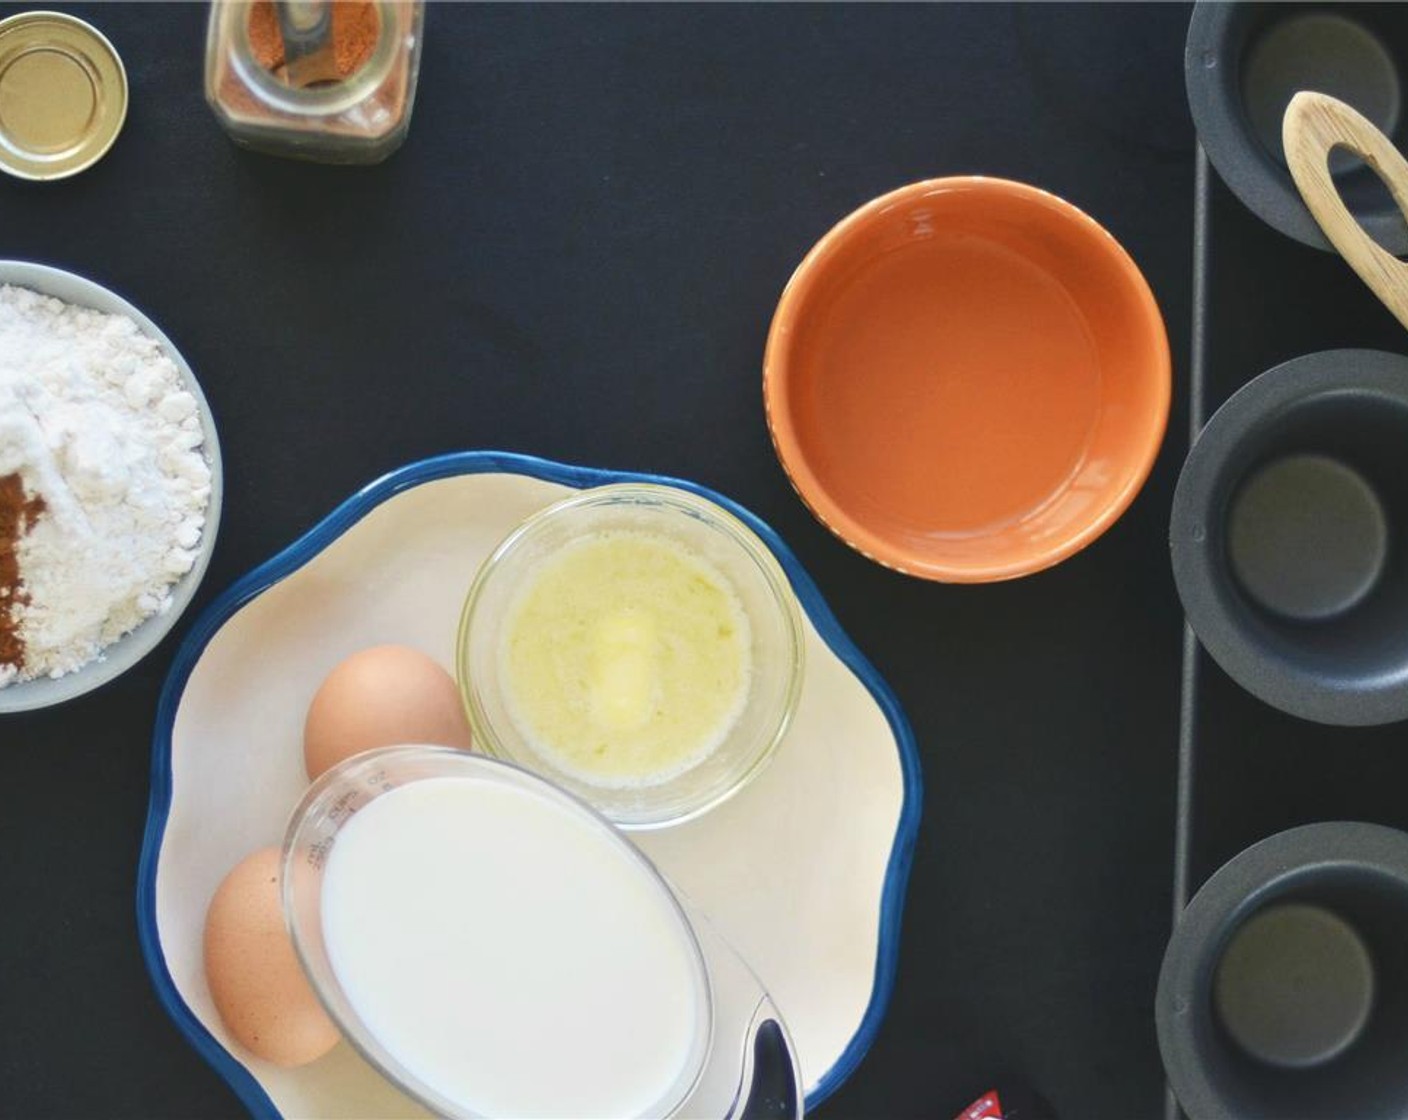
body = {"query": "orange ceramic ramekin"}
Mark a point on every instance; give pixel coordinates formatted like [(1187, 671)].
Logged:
[(967, 379)]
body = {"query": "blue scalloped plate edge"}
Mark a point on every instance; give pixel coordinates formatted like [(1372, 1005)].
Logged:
[(283, 564)]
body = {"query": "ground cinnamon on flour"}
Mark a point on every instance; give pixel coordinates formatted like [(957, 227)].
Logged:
[(17, 514)]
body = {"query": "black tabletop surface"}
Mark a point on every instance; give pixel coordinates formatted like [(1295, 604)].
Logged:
[(576, 254)]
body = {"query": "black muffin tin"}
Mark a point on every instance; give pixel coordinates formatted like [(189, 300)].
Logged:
[(1247, 770)]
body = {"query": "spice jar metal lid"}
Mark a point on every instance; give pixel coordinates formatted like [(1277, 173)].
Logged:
[(63, 95)]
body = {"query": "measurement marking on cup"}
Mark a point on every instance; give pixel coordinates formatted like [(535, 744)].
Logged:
[(318, 853), (344, 806)]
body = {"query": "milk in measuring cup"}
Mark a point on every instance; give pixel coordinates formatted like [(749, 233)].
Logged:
[(513, 956)]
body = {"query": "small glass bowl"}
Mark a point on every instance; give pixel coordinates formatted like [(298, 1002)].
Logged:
[(710, 533)]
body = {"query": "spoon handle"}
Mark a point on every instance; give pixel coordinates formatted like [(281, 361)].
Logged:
[(1314, 124)]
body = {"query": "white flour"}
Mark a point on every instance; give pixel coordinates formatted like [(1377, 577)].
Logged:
[(96, 420)]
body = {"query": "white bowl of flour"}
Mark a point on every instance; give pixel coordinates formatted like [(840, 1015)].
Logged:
[(108, 439)]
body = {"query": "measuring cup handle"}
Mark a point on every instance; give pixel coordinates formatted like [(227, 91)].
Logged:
[(773, 1093), (1314, 124)]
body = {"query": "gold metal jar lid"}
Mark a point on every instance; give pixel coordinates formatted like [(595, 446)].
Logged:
[(63, 95)]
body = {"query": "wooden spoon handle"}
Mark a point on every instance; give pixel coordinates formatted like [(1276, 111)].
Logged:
[(1314, 124)]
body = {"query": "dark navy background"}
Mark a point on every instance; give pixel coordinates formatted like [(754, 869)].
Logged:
[(577, 254)]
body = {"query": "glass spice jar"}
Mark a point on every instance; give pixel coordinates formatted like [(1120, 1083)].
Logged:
[(360, 116)]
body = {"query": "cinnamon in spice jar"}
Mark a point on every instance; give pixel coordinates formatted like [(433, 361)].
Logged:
[(18, 512), (361, 116)]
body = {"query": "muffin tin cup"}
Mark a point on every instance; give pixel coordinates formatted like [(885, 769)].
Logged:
[(1284, 991), (1242, 65), (1282, 531)]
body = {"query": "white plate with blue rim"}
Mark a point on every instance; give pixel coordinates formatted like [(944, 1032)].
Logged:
[(803, 872)]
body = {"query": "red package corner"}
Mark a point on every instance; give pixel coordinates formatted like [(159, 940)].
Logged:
[(986, 1107)]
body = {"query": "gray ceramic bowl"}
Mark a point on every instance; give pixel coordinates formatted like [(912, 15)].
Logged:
[(132, 647), (1242, 64), (1284, 990)]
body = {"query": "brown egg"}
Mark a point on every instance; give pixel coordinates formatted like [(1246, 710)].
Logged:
[(259, 987), (382, 697)]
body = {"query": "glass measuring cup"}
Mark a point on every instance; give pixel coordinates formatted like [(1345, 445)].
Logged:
[(739, 1053)]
